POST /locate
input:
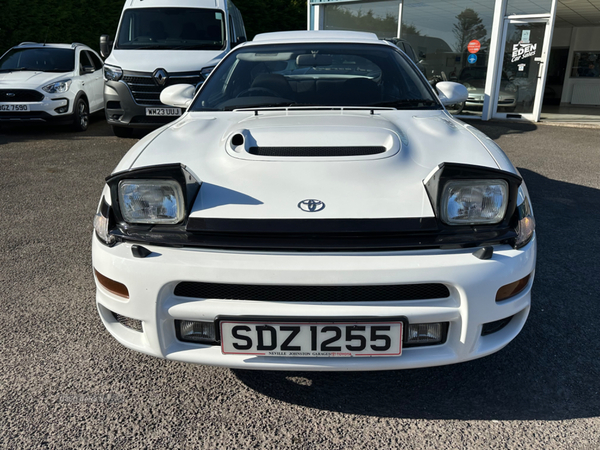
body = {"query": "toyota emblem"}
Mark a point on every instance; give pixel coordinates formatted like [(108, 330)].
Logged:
[(160, 76), (311, 205)]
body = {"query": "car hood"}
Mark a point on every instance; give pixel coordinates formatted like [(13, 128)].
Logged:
[(30, 79), (236, 183), (170, 60)]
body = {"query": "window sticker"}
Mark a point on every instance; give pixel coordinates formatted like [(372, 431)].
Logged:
[(522, 51), (521, 67), (525, 36), (218, 16)]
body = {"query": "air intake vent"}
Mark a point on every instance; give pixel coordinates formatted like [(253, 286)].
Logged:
[(315, 151), (270, 293)]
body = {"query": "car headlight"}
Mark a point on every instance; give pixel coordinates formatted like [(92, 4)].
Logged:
[(57, 87), (151, 201), (526, 224), (112, 73), (474, 202), (102, 219)]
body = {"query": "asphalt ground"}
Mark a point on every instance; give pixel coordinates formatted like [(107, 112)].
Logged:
[(66, 383)]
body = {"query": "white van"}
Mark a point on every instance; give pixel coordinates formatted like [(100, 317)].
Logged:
[(160, 43)]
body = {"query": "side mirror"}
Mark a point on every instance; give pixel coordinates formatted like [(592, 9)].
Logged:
[(105, 45), (88, 69), (451, 93), (178, 95)]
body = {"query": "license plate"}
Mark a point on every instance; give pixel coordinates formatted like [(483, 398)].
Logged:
[(312, 339), (163, 111), (13, 108)]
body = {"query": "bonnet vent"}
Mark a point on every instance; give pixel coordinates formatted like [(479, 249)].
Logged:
[(316, 151)]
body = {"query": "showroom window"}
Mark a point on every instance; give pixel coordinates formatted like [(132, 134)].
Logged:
[(586, 64), (452, 39), (380, 17)]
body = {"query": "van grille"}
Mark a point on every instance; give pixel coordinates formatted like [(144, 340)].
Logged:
[(145, 91)]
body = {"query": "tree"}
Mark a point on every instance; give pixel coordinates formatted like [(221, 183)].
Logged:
[(468, 27)]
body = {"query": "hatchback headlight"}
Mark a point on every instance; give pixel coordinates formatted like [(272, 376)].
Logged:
[(151, 201), (474, 202), (112, 73), (526, 225), (57, 87)]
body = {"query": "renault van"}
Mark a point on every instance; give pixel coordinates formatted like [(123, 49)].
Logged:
[(160, 43)]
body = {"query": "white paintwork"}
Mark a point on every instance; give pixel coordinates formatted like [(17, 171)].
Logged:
[(451, 93), (237, 184), (180, 95), (89, 84)]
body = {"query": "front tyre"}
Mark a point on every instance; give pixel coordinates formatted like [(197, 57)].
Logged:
[(122, 132), (81, 121)]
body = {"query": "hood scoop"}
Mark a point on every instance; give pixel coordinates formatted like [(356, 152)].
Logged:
[(316, 152), (317, 142)]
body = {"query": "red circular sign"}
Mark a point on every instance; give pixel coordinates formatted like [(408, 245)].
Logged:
[(474, 46)]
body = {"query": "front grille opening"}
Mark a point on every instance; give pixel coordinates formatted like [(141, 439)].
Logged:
[(494, 327), (316, 151), (270, 293), (128, 322)]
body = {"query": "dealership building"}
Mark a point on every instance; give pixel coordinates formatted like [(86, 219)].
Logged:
[(517, 58)]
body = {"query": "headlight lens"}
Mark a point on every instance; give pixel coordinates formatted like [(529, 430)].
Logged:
[(526, 225), (57, 87), (113, 73), (474, 202), (151, 201), (205, 72), (102, 222)]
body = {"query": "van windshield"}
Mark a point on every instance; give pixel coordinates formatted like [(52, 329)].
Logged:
[(172, 29)]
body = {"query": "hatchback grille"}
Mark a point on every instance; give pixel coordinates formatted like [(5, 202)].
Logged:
[(146, 92), (20, 95), (271, 293), (315, 151)]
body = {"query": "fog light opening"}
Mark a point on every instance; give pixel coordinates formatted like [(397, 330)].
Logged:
[(128, 322), (111, 285), (419, 334), (493, 327), (512, 289), (194, 331)]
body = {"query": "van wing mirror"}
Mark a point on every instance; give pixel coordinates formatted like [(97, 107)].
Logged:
[(178, 95), (105, 45)]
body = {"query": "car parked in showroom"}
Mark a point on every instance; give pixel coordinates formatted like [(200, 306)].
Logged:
[(473, 78), (50, 83), (316, 208)]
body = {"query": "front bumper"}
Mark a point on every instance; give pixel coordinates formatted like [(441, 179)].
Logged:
[(122, 110), (472, 283), (44, 111)]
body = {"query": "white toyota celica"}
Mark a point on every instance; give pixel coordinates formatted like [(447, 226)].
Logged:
[(316, 208)]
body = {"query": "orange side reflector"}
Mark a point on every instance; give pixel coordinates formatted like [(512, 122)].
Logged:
[(512, 289), (112, 286)]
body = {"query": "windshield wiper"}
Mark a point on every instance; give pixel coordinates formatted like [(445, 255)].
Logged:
[(407, 103), (260, 105)]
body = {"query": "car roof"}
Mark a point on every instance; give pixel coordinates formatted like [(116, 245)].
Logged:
[(44, 45), (317, 36)]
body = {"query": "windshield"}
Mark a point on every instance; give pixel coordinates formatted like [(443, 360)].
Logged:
[(309, 74), (172, 29), (39, 60)]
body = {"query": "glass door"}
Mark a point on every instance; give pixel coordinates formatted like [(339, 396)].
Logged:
[(523, 71)]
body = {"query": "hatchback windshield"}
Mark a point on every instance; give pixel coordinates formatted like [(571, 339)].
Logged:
[(42, 59), (172, 29), (315, 75)]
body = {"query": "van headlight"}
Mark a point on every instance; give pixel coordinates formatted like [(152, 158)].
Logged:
[(151, 201), (526, 224), (112, 73), (474, 202)]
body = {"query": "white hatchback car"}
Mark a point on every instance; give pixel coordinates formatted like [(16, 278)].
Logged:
[(316, 208), (50, 83)]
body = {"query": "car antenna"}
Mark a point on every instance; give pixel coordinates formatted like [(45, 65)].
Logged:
[(46, 35)]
